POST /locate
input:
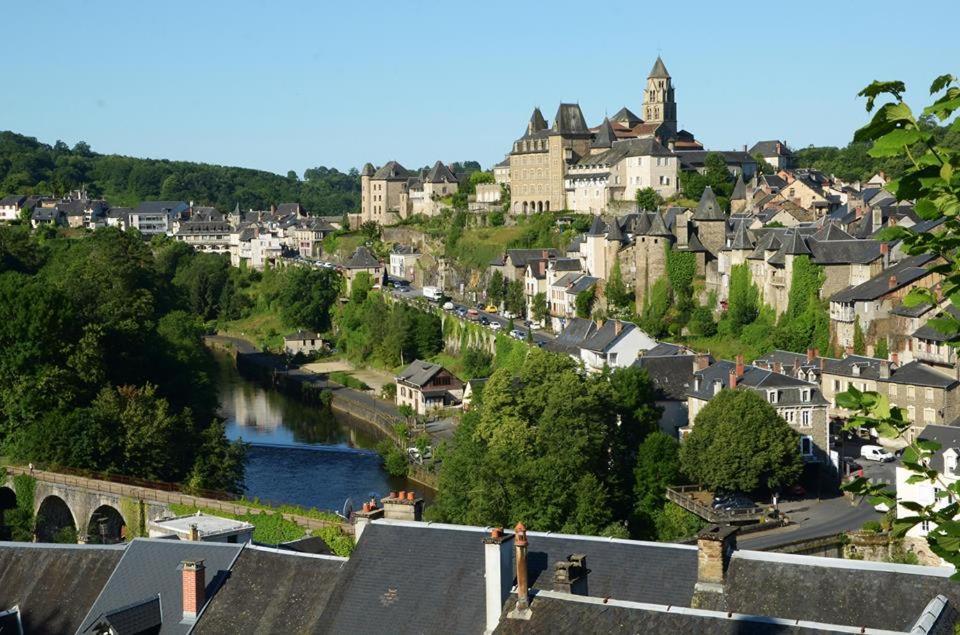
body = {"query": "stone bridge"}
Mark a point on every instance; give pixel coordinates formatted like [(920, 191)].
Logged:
[(108, 511)]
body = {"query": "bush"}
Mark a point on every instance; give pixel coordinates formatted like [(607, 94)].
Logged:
[(389, 392), (873, 526), (497, 219), (674, 523), (394, 459)]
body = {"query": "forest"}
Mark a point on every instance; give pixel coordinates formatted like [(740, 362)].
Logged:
[(28, 166)]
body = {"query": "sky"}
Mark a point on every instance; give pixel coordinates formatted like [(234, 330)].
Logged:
[(291, 85)]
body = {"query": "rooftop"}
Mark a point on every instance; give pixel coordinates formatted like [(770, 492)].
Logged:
[(206, 525)]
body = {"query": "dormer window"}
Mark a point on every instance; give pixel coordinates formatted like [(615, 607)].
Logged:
[(696, 383), (855, 369), (773, 396), (717, 386), (950, 461), (805, 395)]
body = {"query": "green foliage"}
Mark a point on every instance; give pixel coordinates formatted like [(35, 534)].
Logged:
[(496, 288), (657, 466), (584, 302), (477, 362), (618, 297), (539, 307), (702, 323), (740, 443), (762, 166), (681, 270), (391, 334), (674, 523), (515, 301), (348, 380), (859, 339), (394, 458), (716, 175), (497, 219), (882, 349), (306, 295), (340, 543), (21, 519), (743, 305), (648, 199), (872, 526), (657, 305), (30, 167), (806, 322)]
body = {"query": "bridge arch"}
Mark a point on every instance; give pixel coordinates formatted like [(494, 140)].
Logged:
[(106, 526), (8, 502), (54, 520)]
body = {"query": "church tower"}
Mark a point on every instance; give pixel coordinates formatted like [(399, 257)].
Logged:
[(659, 105)]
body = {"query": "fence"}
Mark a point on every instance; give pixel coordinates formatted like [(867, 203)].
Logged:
[(682, 496)]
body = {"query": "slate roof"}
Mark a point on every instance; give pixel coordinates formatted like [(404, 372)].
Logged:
[(947, 436), (392, 171), (272, 592), (15, 200), (54, 585), (367, 170), (626, 118), (831, 231), (671, 374), (919, 374), (582, 284), (657, 226), (520, 257), (362, 258), (930, 332), (708, 209), (140, 617), (606, 336), (597, 227), (419, 373), (772, 181), (171, 208), (569, 340), (605, 135), (537, 122), (308, 544), (614, 234), (300, 335), (741, 238), (795, 245), (622, 149), (569, 120), (693, 159), (770, 148), (659, 70), (904, 273), (288, 208), (129, 584), (758, 379), (739, 190), (566, 264), (440, 173)]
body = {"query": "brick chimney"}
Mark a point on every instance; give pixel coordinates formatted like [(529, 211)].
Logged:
[(617, 327), (811, 355), (700, 362), (402, 506), (361, 519), (732, 383), (599, 323), (778, 367), (715, 547), (740, 366), (498, 574), (194, 588), (522, 610), (570, 575), (194, 533), (892, 282)]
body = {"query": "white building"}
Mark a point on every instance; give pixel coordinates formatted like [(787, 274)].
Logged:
[(615, 344), (403, 262), (10, 207), (202, 527)]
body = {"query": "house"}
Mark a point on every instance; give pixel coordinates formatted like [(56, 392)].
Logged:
[(425, 386), (202, 527), (302, 343), (363, 260), (774, 152), (946, 462), (255, 248), (571, 337), (513, 264), (10, 207), (501, 172), (671, 368), (800, 403), (308, 237), (738, 163), (46, 216), (615, 344), (562, 299), (207, 232), (152, 218), (403, 261)]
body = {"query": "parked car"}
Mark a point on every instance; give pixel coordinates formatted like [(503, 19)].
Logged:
[(510, 315), (448, 306), (490, 308), (461, 312), (496, 326), (875, 453), (517, 334), (472, 314), (484, 320), (433, 293), (850, 466), (415, 456), (731, 501)]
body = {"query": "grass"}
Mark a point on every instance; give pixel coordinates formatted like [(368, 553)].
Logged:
[(263, 327), (453, 363), (725, 347), (348, 380), (479, 245)]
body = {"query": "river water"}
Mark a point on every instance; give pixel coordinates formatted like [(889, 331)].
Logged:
[(299, 454)]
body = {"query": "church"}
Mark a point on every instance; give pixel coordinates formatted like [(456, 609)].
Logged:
[(570, 165)]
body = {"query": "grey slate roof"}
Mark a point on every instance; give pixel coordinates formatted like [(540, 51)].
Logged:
[(440, 173), (392, 171), (741, 238), (582, 284), (739, 190), (758, 379), (13, 199), (622, 149), (129, 584), (625, 117), (930, 332), (362, 258), (605, 135), (919, 374), (947, 436), (606, 336), (770, 148), (419, 373), (300, 335), (171, 208), (708, 209), (54, 585), (520, 257), (905, 272), (657, 226), (795, 245), (659, 70), (367, 170), (831, 231), (572, 337), (566, 264), (537, 122), (597, 227), (671, 374), (140, 617), (272, 592), (569, 120)]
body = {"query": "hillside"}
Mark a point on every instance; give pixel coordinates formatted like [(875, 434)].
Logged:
[(28, 166)]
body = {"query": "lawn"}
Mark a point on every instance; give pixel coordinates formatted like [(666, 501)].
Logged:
[(479, 245), (263, 327)]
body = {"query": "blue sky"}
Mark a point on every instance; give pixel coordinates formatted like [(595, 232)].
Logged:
[(291, 85)]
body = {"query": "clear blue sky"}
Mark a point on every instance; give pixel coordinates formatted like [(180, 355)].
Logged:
[(284, 85)]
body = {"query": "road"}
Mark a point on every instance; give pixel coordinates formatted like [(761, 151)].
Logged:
[(822, 518)]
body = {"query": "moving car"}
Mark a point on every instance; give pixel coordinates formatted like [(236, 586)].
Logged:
[(461, 312), (875, 453), (517, 334), (472, 314), (509, 315), (432, 293)]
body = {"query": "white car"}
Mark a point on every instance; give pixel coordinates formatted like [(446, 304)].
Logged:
[(510, 315), (875, 453), (448, 306), (496, 326)]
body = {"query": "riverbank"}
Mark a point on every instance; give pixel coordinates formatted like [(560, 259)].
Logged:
[(360, 409)]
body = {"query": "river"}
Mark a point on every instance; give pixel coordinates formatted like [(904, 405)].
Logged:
[(299, 454)]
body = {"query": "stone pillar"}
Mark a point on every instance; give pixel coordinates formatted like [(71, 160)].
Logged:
[(715, 547)]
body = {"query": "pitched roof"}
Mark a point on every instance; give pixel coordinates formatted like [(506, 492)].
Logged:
[(362, 258), (756, 378), (929, 332), (708, 209), (272, 592), (670, 374), (54, 585), (161, 207), (392, 171), (569, 120), (419, 373), (770, 148), (947, 436), (659, 70), (300, 335), (626, 118), (605, 135), (606, 336), (13, 200), (647, 146), (739, 190), (614, 233), (537, 122), (902, 274), (657, 226), (367, 170), (832, 231), (581, 284), (597, 227), (440, 173), (129, 584), (741, 238), (795, 245)]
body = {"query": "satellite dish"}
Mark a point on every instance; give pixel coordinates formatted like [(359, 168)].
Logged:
[(347, 508)]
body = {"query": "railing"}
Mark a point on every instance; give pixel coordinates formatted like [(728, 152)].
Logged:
[(680, 494)]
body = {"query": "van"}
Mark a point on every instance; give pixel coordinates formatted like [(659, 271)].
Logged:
[(875, 453), (432, 293)]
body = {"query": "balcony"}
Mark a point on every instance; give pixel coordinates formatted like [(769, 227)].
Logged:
[(842, 312)]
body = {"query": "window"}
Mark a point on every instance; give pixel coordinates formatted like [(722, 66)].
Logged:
[(806, 445), (893, 390), (912, 392), (929, 415), (805, 395), (836, 385), (911, 413), (929, 394), (806, 418), (925, 525), (773, 396), (789, 416), (612, 358)]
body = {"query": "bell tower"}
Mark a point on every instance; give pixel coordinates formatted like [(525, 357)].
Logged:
[(659, 105)]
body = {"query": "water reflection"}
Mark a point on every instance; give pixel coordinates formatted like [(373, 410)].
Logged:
[(299, 454)]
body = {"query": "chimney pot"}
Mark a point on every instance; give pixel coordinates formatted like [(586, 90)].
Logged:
[(617, 327), (848, 350), (393, 494), (411, 496), (777, 367), (700, 362), (895, 358), (739, 366), (193, 573), (194, 533), (402, 495), (733, 379), (884, 248), (715, 546), (891, 282), (811, 355), (523, 590)]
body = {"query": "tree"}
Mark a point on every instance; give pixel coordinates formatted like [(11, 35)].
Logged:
[(657, 305), (584, 302), (496, 288), (701, 322), (616, 291), (762, 166), (657, 467), (477, 362), (306, 296), (674, 523), (515, 301), (859, 340), (882, 349), (648, 199), (743, 305), (539, 307), (740, 443)]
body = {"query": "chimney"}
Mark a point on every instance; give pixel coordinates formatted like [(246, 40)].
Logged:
[(194, 533), (811, 355), (733, 379), (778, 368), (402, 506), (895, 358), (739, 366), (599, 323), (498, 574), (848, 350), (194, 588), (715, 547), (369, 513), (891, 282), (522, 610), (700, 362), (617, 327), (884, 370), (570, 575)]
